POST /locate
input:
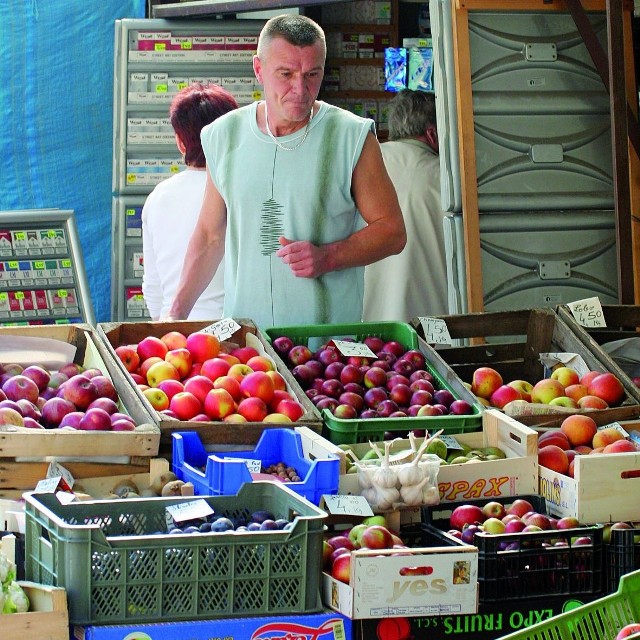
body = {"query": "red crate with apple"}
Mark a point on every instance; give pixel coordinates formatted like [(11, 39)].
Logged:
[(522, 551), (505, 357), (229, 388), (375, 381)]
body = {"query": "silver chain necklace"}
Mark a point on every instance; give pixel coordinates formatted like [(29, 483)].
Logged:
[(279, 144)]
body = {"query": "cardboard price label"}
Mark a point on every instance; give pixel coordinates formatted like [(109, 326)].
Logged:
[(450, 441), (223, 329), (359, 349), (347, 505), (588, 312), (435, 330), (191, 510), (615, 425), (56, 470), (254, 466)]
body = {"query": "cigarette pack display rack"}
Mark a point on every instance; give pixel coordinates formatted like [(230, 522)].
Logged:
[(42, 276), (154, 59)]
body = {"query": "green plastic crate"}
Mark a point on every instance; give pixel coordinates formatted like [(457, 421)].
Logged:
[(597, 620), (117, 569), (343, 431)]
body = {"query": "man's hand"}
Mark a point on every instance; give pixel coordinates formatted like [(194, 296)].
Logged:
[(305, 259)]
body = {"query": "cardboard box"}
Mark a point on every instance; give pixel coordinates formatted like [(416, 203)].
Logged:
[(113, 334), (604, 488), (511, 342), (515, 475), (492, 621), (25, 453), (327, 625), (448, 584)]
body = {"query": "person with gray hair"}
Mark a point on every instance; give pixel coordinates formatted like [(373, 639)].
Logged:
[(412, 283), (297, 200)]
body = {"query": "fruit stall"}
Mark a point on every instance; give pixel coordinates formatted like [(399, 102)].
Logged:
[(357, 481)]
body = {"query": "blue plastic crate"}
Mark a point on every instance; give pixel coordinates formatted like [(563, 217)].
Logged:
[(223, 473)]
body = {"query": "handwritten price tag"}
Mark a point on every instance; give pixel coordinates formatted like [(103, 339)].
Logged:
[(48, 485), (223, 329), (57, 470), (191, 510), (617, 426), (347, 505), (451, 442), (254, 466), (588, 312), (347, 348), (435, 330)]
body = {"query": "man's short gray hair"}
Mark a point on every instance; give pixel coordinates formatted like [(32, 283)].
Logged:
[(411, 113), (297, 30)]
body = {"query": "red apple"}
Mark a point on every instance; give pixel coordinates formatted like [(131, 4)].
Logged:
[(232, 385), (129, 357), (524, 387), (254, 409), (181, 359), (215, 368), (174, 340), (341, 568), (106, 404), (291, 408), (519, 507), (80, 390), (485, 381), (160, 371), (244, 354), (503, 395), (151, 347), (21, 387), (95, 420), (171, 387), (608, 387), (546, 390), (199, 386), (628, 631), (202, 346), (257, 384), (185, 405), (54, 410), (466, 514), (376, 537), (282, 345), (38, 374), (71, 420)]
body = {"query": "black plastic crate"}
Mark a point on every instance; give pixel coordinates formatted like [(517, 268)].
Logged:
[(521, 565), (622, 556)]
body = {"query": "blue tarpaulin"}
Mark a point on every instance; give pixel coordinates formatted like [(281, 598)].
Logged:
[(56, 102)]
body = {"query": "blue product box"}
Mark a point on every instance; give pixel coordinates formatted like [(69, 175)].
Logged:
[(328, 625), (420, 69), (395, 68), (223, 473)]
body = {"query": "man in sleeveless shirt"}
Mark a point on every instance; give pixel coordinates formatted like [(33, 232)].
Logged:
[(297, 199)]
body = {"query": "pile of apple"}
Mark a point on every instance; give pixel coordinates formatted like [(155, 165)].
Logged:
[(564, 388), (371, 533), (578, 435), (195, 377), (394, 384), (70, 398), (495, 518)]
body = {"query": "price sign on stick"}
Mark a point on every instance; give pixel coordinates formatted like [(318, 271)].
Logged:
[(347, 505), (435, 330), (347, 348), (588, 312), (223, 329)]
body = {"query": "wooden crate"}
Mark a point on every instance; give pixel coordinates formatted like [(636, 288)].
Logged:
[(604, 488), (517, 474), (623, 321), (48, 618), (25, 453), (114, 334), (511, 342)]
